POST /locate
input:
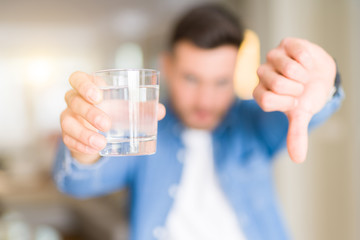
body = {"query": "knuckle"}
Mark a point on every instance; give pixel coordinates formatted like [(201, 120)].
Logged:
[(84, 136), (301, 54), (65, 123), (270, 55), (296, 89), (68, 141), (278, 85), (71, 143), (84, 87), (76, 75), (260, 71), (74, 102), (288, 69), (80, 81), (68, 96), (255, 93), (62, 115), (258, 91), (80, 147), (91, 114), (300, 90), (301, 42), (284, 41), (265, 102)]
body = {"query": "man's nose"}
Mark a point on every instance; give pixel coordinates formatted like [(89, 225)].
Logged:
[(205, 97)]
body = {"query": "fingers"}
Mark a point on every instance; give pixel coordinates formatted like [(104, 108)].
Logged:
[(270, 101), (161, 111), (79, 138), (76, 146), (84, 85), (297, 139), (89, 112), (287, 66), (278, 83), (299, 50)]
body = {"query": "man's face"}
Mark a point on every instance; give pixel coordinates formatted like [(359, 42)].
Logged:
[(200, 83)]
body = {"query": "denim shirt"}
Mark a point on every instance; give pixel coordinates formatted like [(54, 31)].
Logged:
[(244, 145)]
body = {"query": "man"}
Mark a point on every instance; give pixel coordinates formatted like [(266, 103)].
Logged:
[(211, 177)]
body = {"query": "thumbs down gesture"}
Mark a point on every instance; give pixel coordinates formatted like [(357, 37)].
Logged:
[(297, 79)]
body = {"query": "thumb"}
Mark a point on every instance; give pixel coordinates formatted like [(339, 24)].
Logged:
[(297, 138)]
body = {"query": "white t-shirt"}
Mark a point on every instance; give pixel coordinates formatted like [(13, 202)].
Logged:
[(200, 210)]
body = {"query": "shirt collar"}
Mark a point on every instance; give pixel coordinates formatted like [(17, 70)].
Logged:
[(172, 121)]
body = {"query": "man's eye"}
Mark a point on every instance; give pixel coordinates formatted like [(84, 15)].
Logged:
[(222, 82), (190, 78)]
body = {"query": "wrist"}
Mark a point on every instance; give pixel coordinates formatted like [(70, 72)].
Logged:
[(336, 86), (85, 158)]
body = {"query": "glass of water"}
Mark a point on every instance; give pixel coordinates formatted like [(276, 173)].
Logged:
[(130, 99)]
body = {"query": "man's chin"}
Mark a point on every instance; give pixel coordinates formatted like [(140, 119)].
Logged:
[(201, 125)]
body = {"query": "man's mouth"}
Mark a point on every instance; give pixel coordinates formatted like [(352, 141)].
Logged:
[(203, 115)]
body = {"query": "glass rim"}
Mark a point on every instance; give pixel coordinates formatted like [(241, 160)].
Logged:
[(148, 70)]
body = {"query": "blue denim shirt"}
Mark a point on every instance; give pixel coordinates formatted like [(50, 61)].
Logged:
[(244, 145)]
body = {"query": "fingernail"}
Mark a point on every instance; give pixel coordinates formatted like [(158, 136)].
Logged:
[(97, 142), (102, 122), (94, 95)]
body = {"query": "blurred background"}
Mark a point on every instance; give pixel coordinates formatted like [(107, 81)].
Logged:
[(43, 42)]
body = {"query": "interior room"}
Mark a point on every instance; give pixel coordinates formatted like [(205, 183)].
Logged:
[(43, 42)]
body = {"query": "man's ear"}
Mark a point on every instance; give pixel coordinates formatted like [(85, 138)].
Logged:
[(248, 61), (166, 64)]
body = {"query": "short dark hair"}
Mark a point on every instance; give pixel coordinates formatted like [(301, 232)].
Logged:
[(208, 26)]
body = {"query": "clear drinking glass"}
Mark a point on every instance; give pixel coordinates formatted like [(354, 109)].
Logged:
[(130, 98)]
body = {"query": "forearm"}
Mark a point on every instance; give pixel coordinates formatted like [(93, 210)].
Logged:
[(83, 181)]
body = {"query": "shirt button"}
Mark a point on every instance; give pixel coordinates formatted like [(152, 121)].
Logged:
[(173, 190), (180, 155), (159, 233)]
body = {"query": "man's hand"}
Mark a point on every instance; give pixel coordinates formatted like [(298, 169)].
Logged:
[(81, 120), (296, 79)]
